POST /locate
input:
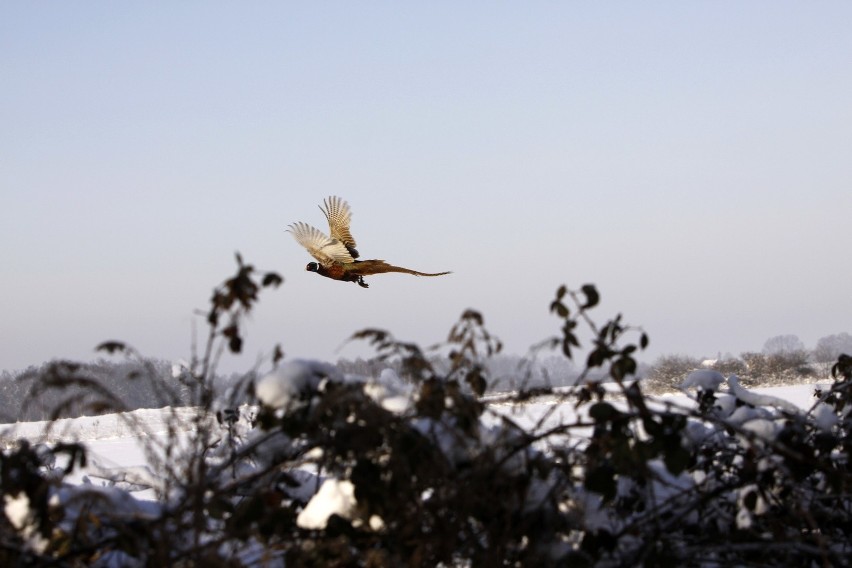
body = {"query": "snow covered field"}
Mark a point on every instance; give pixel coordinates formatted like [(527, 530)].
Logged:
[(116, 453), (115, 443)]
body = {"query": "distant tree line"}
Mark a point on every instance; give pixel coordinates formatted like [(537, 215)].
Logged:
[(508, 372), (784, 359), (137, 384), (141, 384)]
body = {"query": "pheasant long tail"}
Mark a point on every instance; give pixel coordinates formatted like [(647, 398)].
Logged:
[(367, 267)]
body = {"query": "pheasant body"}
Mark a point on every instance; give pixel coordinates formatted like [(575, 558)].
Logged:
[(337, 254), (355, 271)]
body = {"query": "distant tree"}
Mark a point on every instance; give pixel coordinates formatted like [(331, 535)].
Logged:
[(830, 347), (730, 365), (559, 371), (784, 367), (783, 344), (668, 372), (512, 372), (363, 367)]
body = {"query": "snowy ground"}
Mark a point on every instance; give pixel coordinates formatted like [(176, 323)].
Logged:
[(556, 410), (116, 453), (116, 445)]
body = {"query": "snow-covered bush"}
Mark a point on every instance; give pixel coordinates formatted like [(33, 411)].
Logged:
[(668, 371), (334, 469)]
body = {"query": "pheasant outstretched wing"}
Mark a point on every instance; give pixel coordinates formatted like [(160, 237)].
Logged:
[(339, 216), (326, 250)]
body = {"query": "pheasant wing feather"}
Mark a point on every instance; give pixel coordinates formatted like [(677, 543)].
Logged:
[(339, 216), (327, 251)]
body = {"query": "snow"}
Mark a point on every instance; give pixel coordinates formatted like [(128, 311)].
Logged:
[(129, 478), (746, 513), (757, 399), (17, 509), (762, 428), (705, 379), (743, 414), (334, 497), (19, 513), (725, 405), (667, 486), (391, 392), (825, 417), (291, 380), (106, 426)]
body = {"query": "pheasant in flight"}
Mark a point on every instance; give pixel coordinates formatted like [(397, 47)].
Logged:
[(337, 254)]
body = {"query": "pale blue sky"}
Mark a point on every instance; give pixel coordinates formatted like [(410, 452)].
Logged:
[(692, 159)]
